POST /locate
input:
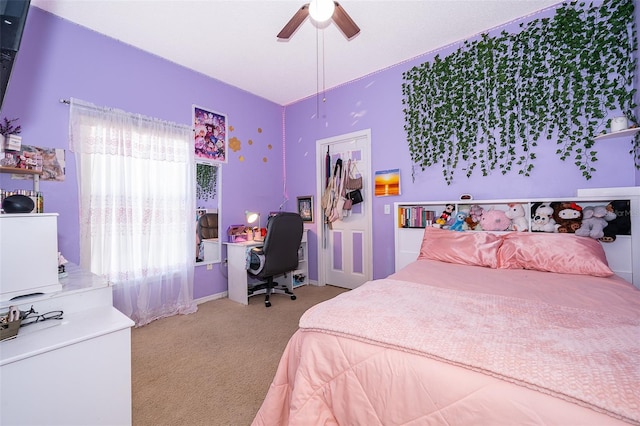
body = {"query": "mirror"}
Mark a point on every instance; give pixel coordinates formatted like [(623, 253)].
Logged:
[(208, 241)]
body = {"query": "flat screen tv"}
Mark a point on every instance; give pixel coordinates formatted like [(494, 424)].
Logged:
[(13, 15)]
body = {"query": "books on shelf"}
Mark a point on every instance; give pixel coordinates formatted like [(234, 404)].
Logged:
[(415, 217)]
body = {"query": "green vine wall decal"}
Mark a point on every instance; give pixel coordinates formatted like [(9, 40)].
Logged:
[(487, 105), (206, 181)]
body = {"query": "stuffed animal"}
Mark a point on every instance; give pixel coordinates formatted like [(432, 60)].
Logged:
[(594, 220), (621, 225), (473, 218), (459, 222), (568, 216), (494, 220), (445, 216), (516, 214), (542, 218)]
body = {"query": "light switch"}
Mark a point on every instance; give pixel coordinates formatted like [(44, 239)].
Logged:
[(387, 209)]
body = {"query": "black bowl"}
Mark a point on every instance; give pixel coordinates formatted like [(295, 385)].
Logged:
[(17, 204)]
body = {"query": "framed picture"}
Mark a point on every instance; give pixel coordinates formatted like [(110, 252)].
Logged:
[(387, 183), (305, 208), (211, 136)]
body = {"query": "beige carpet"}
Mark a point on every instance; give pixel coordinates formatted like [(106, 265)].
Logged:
[(214, 367)]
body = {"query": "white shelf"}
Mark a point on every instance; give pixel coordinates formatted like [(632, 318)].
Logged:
[(621, 133), (14, 170), (296, 277)]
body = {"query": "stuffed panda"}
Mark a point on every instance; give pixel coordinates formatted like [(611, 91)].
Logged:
[(542, 218)]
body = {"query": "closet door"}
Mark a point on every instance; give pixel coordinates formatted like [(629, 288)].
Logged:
[(345, 248)]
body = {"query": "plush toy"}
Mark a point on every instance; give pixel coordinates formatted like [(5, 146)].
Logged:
[(473, 218), (568, 216), (594, 220), (542, 218), (621, 225), (516, 214), (459, 222), (445, 216), (494, 220)]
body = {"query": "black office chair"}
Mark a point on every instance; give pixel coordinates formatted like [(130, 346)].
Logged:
[(278, 255)]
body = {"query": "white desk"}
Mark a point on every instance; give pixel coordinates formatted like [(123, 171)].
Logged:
[(239, 279)]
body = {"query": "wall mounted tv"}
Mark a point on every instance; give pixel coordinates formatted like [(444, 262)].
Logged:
[(13, 15)]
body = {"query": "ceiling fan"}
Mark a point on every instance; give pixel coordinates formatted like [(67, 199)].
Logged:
[(335, 12)]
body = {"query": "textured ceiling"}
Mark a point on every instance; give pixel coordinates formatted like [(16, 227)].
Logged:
[(235, 41)]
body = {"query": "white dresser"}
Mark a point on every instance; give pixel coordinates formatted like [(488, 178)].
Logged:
[(74, 371)]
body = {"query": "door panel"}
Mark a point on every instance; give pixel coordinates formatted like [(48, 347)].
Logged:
[(345, 258)]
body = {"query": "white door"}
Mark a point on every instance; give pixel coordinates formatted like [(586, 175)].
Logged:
[(345, 247)]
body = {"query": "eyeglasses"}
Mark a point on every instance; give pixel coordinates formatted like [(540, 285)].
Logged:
[(30, 317)]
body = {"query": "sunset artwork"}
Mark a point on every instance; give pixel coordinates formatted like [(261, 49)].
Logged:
[(387, 183)]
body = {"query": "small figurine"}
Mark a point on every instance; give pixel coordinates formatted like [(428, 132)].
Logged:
[(444, 217)]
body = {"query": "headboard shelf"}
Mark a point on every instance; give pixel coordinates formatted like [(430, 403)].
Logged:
[(623, 254)]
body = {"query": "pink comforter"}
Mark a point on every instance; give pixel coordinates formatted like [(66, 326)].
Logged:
[(501, 347)]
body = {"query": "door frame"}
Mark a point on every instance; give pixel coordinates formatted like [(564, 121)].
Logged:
[(321, 151)]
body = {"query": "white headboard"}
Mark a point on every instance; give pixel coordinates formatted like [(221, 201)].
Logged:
[(623, 254)]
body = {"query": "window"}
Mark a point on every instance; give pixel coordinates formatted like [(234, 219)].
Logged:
[(136, 198)]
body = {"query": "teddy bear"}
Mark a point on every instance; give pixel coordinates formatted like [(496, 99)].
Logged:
[(516, 214), (594, 221), (568, 216), (494, 220), (621, 225), (473, 218), (459, 222), (542, 218)]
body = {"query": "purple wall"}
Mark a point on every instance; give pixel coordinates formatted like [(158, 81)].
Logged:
[(375, 102), (637, 79), (59, 59)]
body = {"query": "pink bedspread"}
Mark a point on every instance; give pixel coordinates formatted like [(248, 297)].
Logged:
[(500, 347)]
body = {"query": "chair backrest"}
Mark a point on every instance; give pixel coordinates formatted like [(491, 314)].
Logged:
[(284, 235), (208, 226)]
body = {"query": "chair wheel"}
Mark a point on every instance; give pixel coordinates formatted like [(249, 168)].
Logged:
[(267, 304), (293, 297)]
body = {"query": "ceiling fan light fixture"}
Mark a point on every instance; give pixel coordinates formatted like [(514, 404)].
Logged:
[(321, 10)]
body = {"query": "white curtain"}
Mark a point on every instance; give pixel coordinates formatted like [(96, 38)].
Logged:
[(136, 189)]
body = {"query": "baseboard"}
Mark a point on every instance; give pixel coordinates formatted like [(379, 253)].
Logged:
[(309, 283), (212, 297), (226, 294)]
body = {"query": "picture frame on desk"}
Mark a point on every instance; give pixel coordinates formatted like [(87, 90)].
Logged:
[(305, 208)]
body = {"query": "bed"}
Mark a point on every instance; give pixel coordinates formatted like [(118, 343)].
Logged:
[(482, 329)]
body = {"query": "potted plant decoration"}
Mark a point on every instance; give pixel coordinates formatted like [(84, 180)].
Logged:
[(10, 139)]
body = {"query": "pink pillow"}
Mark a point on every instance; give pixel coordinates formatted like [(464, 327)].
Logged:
[(562, 253), (465, 248)]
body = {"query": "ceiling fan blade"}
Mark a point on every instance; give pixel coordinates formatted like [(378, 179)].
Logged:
[(294, 22), (344, 22)]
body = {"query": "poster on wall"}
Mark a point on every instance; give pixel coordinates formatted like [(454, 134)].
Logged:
[(210, 135), (387, 183), (50, 161)]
